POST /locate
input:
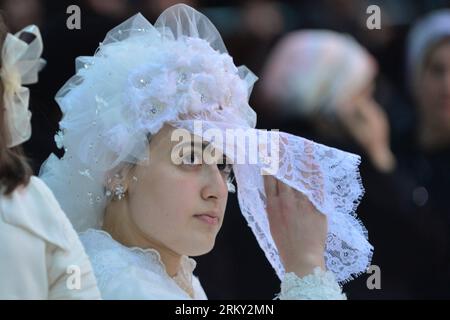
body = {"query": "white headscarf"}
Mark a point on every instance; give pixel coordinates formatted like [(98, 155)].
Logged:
[(21, 62), (317, 71), (143, 76)]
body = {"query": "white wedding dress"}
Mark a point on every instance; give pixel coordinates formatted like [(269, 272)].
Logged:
[(134, 273)]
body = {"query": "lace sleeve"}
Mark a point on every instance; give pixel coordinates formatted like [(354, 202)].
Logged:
[(320, 285)]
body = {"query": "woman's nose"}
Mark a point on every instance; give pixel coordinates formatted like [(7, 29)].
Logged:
[(215, 185)]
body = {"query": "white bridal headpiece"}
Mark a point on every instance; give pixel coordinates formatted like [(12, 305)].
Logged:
[(178, 71), (21, 62)]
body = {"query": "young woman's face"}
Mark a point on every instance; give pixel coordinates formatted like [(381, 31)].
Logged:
[(434, 89), (179, 206)]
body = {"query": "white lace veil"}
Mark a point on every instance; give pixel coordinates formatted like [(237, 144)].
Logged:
[(143, 76)]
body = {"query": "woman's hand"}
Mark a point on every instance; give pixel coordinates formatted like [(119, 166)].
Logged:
[(368, 124), (298, 228)]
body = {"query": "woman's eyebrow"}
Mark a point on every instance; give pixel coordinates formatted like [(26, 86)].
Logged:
[(193, 144), (205, 144)]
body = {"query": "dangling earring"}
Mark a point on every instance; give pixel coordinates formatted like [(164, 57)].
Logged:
[(118, 191)]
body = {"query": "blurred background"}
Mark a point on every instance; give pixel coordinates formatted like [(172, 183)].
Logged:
[(324, 75)]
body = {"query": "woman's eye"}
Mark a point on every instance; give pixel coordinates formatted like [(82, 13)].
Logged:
[(192, 159), (225, 168)]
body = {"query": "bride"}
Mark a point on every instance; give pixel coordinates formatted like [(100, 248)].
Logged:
[(146, 202)]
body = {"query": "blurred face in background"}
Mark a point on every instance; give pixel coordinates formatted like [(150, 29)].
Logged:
[(20, 13), (433, 97)]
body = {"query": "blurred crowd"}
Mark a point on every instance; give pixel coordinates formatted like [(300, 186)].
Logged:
[(324, 75)]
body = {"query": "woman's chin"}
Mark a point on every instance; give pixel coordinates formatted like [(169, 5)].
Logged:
[(201, 248)]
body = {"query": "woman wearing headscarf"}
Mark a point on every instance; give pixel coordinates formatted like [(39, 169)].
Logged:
[(322, 83), (424, 155), (147, 168)]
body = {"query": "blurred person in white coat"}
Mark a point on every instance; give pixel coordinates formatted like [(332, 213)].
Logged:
[(41, 256)]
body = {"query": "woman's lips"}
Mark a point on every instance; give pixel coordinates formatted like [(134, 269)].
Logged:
[(207, 218)]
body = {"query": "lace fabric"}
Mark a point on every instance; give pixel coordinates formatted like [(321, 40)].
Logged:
[(110, 258), (103, 251), (327, 176), (320, 285)]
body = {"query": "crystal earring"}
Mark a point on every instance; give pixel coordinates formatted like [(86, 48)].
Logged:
[(118, 192)]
